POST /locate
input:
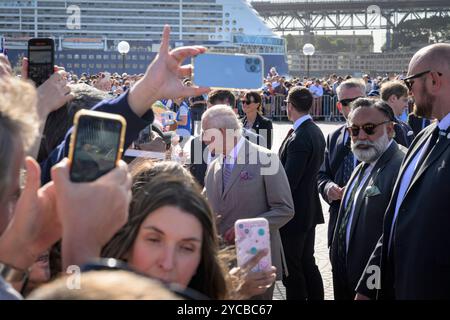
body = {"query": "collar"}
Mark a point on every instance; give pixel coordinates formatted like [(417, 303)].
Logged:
[(444, 123), (232, 156), (300, 120)]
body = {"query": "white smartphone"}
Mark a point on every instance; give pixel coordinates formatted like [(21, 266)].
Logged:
[(252, 236), (228, 71)]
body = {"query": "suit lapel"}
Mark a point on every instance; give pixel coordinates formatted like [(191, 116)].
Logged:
[(218, 168), (381, 163), (435, 153), (344, 197), (340, 150), (240, 164)]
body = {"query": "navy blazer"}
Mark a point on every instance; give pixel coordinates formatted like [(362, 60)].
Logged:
[(332, 170), (404, 135), (118, 106), (301, 156)]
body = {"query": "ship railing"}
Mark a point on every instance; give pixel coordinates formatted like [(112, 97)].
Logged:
[(323, 109)]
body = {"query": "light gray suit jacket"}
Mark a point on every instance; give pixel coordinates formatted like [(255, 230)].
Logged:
[(258, 187)]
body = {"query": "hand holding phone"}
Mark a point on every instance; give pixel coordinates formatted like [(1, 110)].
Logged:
[(41, 59), (96, 144), (252, 236), (228, 71)]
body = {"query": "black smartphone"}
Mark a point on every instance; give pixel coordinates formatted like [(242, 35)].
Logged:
[(96, 144), (41, 59)]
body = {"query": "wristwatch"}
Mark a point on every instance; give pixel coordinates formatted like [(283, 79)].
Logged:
[(12, 274)]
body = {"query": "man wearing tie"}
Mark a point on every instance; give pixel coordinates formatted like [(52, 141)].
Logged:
[(245, 181), (360, 219), (301, 154), (339, 161), (412, 257)]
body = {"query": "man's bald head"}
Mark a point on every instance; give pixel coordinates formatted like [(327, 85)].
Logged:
[(430, 84), (432, 57)]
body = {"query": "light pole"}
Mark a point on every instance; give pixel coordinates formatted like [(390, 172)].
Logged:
[(308, 50), (123, 47)]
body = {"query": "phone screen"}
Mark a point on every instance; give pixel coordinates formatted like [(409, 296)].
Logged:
[(96, 148), (228, 71), (40, 60)]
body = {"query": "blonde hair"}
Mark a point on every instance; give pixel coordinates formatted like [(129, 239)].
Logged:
[(105, 285), (18, 120)]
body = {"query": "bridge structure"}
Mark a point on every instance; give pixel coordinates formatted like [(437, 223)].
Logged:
[(333, 15)]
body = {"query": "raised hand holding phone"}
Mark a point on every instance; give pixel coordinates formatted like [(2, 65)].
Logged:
[(96, 144)]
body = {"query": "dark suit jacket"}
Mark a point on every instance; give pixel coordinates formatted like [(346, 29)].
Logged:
[(404, 135), (301, 157), (262, 127), (198, 165), (417, 266), (367, 222), (332, 170), (417, 124)]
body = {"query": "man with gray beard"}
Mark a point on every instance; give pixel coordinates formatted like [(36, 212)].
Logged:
[(367, 193)]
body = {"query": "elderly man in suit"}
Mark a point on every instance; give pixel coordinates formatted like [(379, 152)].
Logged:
[(246, 181), (339, 161), (360, 219), (301, 154), (412, 258), (200, 157)]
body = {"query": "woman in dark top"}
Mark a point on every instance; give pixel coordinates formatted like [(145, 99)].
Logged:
[(253, 119)]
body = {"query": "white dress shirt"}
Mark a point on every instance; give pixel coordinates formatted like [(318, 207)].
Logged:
[(300, 120)]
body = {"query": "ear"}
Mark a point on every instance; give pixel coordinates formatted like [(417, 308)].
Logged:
[(390, 130), (436, 82), (392, 99)]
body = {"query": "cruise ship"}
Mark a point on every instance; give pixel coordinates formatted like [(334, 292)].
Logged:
[(86, 33)]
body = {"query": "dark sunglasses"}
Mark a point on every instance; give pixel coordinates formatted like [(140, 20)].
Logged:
[(409, 82), (346, 102), (248, 101), (369, 128)]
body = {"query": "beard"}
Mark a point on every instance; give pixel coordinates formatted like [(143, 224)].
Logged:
[(374, 151), (424, 109)]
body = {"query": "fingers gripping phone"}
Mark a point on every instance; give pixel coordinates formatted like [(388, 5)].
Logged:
[(96, 144), (228, 71), (252, 236), (41, 59)]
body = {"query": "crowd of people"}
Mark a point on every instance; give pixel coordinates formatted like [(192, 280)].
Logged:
[(165, 230)]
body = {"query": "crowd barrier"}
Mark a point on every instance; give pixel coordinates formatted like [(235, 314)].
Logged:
[(323, 109)]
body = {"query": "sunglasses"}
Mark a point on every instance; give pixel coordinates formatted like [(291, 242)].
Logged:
[(409, 82), (369, 128), (248, 101), (346, 102)]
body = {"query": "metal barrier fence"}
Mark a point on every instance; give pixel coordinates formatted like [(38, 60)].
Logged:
[(323, 109)]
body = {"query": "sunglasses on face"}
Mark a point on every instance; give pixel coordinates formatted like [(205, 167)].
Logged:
[(369, 128), (346, 102), (409, 82), (247, 101)]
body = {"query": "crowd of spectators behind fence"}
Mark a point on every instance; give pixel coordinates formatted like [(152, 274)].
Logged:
[(152, 219)]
